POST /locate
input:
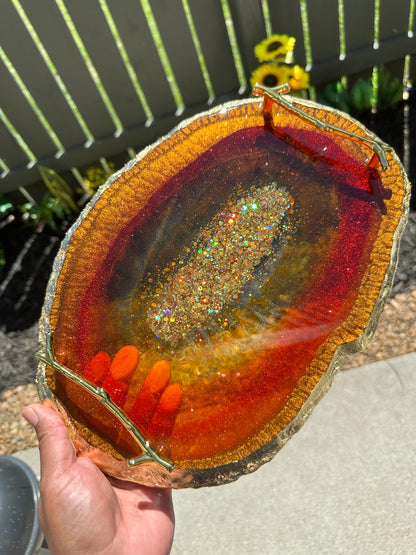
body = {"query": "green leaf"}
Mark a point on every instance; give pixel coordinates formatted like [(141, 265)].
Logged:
[(58, 187), (360, 96), (390, 90), (335, 95), (6, 207)]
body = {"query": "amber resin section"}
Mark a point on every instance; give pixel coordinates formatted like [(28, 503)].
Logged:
[(213, 283)]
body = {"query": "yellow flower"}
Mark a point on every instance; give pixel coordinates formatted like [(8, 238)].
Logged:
[(274, 47), (297, 78), (270, 75)]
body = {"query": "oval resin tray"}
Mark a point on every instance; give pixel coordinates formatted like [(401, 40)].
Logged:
[(199, 307)]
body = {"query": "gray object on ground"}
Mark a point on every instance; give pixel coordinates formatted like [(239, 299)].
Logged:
[(19, 495)]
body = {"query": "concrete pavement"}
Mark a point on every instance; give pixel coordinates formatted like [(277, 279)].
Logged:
[(346, 483)]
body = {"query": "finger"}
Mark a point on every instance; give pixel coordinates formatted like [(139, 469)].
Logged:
[(57, 453)]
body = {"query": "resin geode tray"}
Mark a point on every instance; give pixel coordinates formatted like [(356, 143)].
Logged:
[(199, 307)]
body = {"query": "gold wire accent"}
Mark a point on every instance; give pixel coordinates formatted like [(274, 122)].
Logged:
[(274, 94), (149, 453)]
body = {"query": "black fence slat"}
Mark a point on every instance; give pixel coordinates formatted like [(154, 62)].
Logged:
[(35, 75), (138, 137), (363, 59), (23, 118), (324, 29), (177, 39), (286, 20), (50, 26), (215, 45), (101, 47), (10, 152), (359, 24), (394, 69), (393, 21), (250, 29), (143, 55)]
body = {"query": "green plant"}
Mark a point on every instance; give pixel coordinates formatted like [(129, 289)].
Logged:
[(381, 91), (50, 211), (353, 101), (389, 90), (58, 187), (6, 207), (56, 206)]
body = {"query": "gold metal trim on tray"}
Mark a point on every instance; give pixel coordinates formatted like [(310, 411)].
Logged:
[(275, 94), (149, 453)]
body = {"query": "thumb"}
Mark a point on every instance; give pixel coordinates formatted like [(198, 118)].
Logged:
[(56, 450)]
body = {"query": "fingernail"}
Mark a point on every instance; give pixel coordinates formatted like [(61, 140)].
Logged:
[(31, 416)]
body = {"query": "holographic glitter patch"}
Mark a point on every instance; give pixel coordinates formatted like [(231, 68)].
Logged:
[(227, 256)]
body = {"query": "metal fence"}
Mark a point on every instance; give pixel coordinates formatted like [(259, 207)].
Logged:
[(81, 80)]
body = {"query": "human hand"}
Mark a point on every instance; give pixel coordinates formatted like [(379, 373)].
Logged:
[(82, 511)]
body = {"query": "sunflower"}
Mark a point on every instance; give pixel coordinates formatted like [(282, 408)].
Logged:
[(297, 78), (274, 47), (270, 75)]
